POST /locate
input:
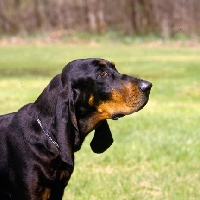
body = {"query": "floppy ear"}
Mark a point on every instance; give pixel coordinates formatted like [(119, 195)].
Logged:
[(102, 139), (68, 136), (67, 130), (56, 106)]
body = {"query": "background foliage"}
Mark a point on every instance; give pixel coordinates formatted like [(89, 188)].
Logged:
[(164, 18)]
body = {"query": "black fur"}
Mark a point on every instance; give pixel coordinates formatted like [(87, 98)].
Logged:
[(32, 166)]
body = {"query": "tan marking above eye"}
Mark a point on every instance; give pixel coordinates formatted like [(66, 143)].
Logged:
[(102, 63), (113, 64)]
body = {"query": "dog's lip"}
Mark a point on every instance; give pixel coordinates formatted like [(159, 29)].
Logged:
[(142, 106), (116, 116)]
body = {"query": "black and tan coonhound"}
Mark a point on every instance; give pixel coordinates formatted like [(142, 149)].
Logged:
[(37, 143)]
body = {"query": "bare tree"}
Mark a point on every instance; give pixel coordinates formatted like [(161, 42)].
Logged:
[(128, 16)]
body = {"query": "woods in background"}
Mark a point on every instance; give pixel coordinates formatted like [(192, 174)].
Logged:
[(141, 17)]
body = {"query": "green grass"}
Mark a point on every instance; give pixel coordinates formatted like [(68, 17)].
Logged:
[(156, 151)]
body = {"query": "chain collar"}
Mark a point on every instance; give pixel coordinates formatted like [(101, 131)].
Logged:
[(50, 138)]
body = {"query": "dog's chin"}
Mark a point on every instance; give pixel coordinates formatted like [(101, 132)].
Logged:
[(117, 116), (141, 106), (133, 109)]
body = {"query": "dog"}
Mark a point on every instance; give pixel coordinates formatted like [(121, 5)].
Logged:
[(38, 142)]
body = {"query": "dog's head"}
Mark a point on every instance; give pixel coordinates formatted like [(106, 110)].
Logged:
[(100, 92), (83, 97)]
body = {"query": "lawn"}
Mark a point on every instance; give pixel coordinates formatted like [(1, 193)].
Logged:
[(156, 151)]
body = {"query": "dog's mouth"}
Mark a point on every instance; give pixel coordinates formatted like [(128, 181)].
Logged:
[(117, 116), (133, 108)]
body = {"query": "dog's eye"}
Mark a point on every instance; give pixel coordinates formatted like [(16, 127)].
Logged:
[(102, 73)]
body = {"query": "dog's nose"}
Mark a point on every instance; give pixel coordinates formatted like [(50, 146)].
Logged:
[(145, 86)]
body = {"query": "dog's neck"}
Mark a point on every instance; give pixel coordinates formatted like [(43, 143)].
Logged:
[(89, 122)]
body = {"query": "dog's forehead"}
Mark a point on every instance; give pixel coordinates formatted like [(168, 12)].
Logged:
[(95, 65), (86, 67), (104, 63)]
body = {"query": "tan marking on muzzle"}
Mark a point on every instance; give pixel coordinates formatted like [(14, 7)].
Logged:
[(127, 100), (121, 102)]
